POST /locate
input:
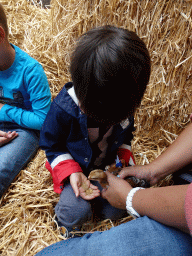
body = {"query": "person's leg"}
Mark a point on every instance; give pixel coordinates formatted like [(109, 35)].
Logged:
[(16, 154), (104, 210), (72, 211), (142, 236)]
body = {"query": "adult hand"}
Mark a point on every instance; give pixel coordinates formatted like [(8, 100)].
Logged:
[(6, 137), (145, 172), (117, 191), (77, 180)]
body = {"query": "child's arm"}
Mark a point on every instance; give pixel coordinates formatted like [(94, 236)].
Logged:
[(165, 204), (53, 137), (177, 155), (37, 87)]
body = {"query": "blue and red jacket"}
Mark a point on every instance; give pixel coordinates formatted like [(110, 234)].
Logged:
[(64, 137)]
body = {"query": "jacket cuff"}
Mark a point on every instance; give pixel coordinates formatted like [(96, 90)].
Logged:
[(65, 169), (61, 171), (124, 152)]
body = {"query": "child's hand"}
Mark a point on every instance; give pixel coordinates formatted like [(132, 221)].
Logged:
[(117, 191), (5, 137), (1, 105), (77, 180)]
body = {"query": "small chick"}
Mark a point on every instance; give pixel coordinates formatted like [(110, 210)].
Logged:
[(99, 175)]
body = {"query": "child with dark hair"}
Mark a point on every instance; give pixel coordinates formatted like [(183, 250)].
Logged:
[(91, 121), (25, 99), (110, 69)]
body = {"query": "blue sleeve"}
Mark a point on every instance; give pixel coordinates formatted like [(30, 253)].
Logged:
[(40, 97), (54, 132)]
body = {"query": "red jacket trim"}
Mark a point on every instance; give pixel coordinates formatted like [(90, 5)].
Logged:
[(127, 155), (61, 171)]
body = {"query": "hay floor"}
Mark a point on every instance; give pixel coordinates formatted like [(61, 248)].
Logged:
[(27, 209)]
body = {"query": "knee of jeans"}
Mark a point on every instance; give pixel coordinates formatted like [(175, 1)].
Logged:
[(4, 165), (7, 175), (73, 215), (7, 172)]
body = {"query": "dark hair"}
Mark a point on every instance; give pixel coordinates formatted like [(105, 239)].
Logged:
[(3, 19), (110, 68)]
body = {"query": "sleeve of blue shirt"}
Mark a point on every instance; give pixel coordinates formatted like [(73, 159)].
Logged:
[(40, 97)]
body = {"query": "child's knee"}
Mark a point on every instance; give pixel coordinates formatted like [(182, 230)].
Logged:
[(74, 214)]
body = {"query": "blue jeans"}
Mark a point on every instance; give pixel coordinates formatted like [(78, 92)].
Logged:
[(73, 212), (142, 236), (16, 154)]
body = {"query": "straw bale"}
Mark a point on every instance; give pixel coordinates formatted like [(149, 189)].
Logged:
[(27, 209)]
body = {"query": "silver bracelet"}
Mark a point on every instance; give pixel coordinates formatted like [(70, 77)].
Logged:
[(129, 200)]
